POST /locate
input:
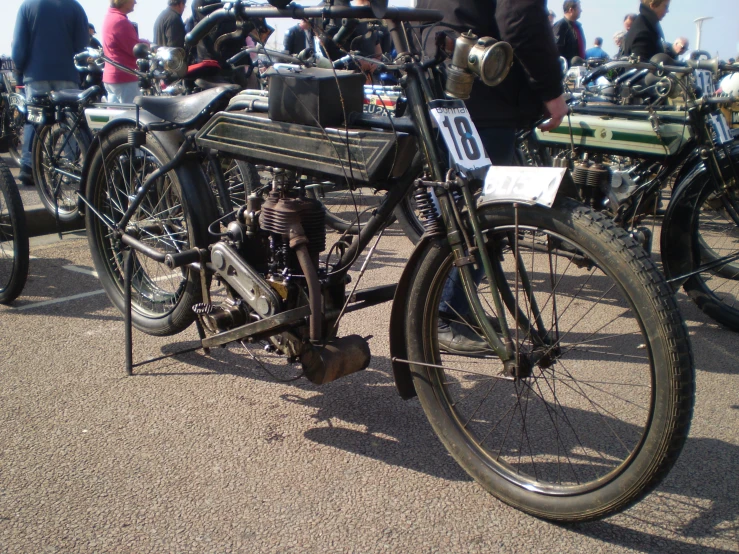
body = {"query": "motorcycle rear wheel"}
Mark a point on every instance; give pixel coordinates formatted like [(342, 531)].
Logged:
[(161, 298), (57, 158)]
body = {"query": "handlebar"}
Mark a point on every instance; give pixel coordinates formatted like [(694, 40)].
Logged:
[(713, 65), (626, 64), (240, 10)]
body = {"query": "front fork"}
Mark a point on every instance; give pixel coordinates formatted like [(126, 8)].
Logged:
[(468, 251)]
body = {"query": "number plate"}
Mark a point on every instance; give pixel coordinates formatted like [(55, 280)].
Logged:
[(721, 132), (460, 134), (16, 100), (528, 185), (734, 118), (704, 81), (35, 115)]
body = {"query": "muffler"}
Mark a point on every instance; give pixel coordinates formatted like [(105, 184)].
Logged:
[(338, 358)]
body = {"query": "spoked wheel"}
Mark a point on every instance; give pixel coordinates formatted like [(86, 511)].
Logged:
[(716, 289), (13, 239), (162, 298), (58, 156), (600, 405), (16, 124), (238, 177)]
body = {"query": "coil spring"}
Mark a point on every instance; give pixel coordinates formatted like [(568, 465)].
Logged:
[(427, 212)]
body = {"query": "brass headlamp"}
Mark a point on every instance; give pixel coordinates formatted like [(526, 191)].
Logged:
[(487, 58)]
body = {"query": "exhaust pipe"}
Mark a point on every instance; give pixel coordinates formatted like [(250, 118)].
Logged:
[(338, 358)]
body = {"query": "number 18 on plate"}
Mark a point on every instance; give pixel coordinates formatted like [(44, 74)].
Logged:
[(460, 135)]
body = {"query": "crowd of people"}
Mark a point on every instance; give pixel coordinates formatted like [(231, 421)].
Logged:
[(641, 35)]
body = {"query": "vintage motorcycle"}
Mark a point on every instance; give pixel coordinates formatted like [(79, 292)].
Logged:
[(628, 138), (579, 399)]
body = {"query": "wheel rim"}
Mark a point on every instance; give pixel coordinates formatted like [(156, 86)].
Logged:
[(160, 222), (579, 420), (60, 152)]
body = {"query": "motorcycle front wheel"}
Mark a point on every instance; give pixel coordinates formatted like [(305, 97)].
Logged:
[(600, 407)]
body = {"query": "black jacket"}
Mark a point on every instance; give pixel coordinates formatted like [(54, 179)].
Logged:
[(169, 29), (536, 75), (645, 38), (565, 35), (295, 41)]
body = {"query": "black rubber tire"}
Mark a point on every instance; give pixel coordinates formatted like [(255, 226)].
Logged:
[(716, 292), (46, 144), (13, 239), (157, 309), (660, 340)]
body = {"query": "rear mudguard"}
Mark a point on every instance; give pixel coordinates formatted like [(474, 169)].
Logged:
[(402, 370), (678, 243), (190, 174)]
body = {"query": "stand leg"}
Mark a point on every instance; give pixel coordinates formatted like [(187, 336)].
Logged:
[(201, 333), (127, 278)]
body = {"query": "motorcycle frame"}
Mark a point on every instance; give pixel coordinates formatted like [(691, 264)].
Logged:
[(466, 252)]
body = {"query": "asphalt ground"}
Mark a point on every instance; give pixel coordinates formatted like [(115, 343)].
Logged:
[(211, 454)]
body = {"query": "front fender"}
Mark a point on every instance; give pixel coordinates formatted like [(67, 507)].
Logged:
[(401, 370)]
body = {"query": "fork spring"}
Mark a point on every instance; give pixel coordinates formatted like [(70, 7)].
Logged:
[(428, 213)]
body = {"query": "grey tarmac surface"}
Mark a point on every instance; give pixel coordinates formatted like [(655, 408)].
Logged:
[(211, 454)]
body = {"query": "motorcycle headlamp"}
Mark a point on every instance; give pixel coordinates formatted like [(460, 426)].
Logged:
[(487, 58), (172, 60), (490, 60)]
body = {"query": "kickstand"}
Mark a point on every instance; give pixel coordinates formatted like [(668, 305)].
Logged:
[(128, 257), (127, 278)]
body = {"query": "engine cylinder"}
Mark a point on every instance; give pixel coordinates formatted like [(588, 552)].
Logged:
[(280, 214)]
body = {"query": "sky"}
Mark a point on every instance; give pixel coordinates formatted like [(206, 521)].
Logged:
[(599, 18)]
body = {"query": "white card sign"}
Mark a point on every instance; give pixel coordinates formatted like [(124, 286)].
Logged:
[(528, 185)]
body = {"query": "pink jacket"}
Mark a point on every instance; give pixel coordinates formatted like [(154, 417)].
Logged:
[(119, 38)]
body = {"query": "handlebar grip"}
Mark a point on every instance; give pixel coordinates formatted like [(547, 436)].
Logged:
[(205, 25)]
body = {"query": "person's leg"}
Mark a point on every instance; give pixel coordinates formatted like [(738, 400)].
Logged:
[(122, 93), (34, 88)]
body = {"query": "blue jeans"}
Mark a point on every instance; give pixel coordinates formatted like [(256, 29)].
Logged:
[(500, 145), (37, 88), (122, 93)]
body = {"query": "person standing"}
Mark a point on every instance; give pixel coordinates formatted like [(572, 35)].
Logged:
[(299, 37), (119, 38), (94, 43), (169, 29), (568, 32), (645, 37), (678, 48), (532, 88), (47, 35), (597, 50)]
